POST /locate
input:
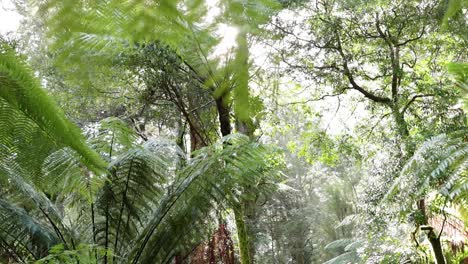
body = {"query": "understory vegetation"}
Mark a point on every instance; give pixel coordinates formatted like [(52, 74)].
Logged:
[(234, 131)]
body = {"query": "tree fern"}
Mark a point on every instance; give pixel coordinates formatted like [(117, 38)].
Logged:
[(440, 164), (200, 186), (137, 181), (31, 128), (88, 33), (151, 205), (149, 209)]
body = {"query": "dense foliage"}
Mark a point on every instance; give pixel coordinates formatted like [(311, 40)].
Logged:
[(234, 131)]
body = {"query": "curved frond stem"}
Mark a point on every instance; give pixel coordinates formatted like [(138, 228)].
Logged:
[(124, 197)]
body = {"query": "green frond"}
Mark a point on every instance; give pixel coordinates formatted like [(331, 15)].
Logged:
[(25, 189), (112, 137), (345, 258), (460, 72), (137, 181), (453, 7), (22, 141), (32, 129), (210, 180), (340, 243), (35, 201), (353, 246), (82, 254), (439, 164), (64, 177), (22, 235), (23, 94)]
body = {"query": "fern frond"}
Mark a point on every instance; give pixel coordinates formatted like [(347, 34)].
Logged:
[(137, 181), (37, 203), (22, 234), (439, 164), (210, 180), (82, 254), (112, 138), (31, 128), (345, 258), (64, 177), (22, 92), (340, 243)]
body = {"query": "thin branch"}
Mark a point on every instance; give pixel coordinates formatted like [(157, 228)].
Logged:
[(376, 77), (414, 99), (283, 30), (176, 98), (413, 236), (445, 220), (412, 39), (201, 106), (376, 124), (313, 99), (334, 115)]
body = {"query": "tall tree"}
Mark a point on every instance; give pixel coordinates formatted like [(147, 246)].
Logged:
[(393, 55)]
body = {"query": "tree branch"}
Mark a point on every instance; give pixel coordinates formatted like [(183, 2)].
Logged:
[(414, 99), (314, 99), (412, 39), (357, 87), (445, 220)]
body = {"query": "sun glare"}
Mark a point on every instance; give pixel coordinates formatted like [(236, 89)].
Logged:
[(228, 36), (9, 17)]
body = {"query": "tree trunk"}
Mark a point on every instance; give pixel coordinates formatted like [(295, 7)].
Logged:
[(436, 247), (243, 237), (402, 129), (180, 134), (198, 138), (250, 216), (409, 149), (431, 236), (223, 114)]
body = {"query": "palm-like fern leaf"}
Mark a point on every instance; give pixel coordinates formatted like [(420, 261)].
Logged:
[(21, 92), (211, 179), (440, 164), (32, 127), (138, 179), (112, 138), (22, 235), (36, 202), (345, 258)]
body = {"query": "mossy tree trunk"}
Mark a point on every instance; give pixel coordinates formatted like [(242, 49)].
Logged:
[(243, 236)]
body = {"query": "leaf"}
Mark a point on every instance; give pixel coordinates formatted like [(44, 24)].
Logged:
[(23, 93)]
